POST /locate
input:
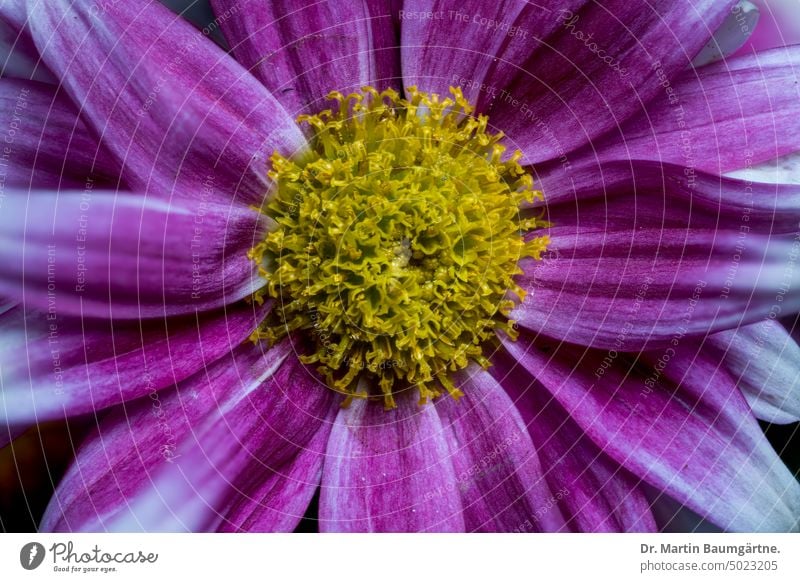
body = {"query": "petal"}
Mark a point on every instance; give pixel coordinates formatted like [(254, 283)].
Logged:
[(94, 253), (48, 145), (389, 471), (276, 499), (174, 109), (469, 43), (179, 462), (53, 367), (721, 117), (778, 26), (731, 35), (594, 492), (782, 170), (6, 304), (199, 13), (638, 266), (771, 207), (19, 57), (672, 517), (120, 459), (500, 478), (683, 427), (302, 51), (557, 75), (764, 360), (289, 427)]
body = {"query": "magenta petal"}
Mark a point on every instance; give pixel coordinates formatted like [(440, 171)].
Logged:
[(594, 66), (594, 492), (697, 442), (96, 253), (729, 115), (48, 144), (53, 367), (389, 471), (772, 207), (176, 110), (303, 50), (765, 361), (260, 448), (119, 461), (289, 425), (498, 471), (275, 499), (181, 461), (474, 44), (629, 269)]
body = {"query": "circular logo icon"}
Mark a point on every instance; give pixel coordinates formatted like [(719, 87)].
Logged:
[(31, 555)]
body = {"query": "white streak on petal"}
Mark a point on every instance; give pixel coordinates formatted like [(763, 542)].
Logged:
[(731, 36)]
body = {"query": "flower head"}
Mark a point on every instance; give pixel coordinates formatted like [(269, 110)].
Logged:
[(263, 267), (396, 241)]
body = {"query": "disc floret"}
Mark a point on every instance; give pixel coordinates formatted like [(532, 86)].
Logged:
[(395, 242)]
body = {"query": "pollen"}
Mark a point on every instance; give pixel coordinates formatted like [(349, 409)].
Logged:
[(395, 241)]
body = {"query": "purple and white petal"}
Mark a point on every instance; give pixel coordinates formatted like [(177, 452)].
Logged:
[(782, 170), (683, 426), (634, 267), (301, 51), (725, 116), (200, 13), (778, 26), (595, 493), (176, 110), (100, 254), (389, 471), (48, 144), (289, 423), (770, 206), (554, 75), (276, 499), (119, 460), (764, 359), (468, 43), (52, 367), (179, 462), (19, 58), (498, 470), (732, 34), (594, 66)]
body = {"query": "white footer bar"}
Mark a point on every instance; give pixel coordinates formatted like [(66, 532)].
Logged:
[(397, 557)]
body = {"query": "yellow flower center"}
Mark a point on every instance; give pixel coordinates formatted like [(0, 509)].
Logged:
[(395, 242)]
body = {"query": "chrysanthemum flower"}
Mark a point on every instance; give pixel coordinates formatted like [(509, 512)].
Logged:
[(455, 266)]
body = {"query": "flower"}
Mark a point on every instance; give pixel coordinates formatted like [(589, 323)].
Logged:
[(779, 25), (146, 246)]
